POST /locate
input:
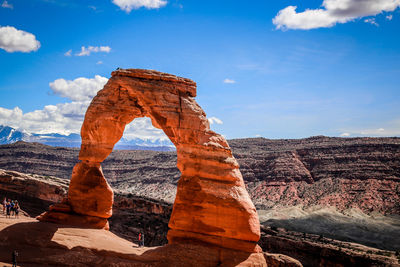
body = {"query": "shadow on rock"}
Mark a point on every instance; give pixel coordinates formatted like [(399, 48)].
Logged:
[(45, 244)]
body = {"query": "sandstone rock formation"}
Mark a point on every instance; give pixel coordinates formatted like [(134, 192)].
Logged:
[(211, 205)]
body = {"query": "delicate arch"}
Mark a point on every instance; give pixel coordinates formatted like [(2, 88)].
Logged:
[(211, 204)]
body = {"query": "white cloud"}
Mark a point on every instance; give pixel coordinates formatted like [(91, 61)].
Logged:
[(128, 5), (80, 89), (61, 118), (68, 53), (378, 131), (213, 120), (99, 62), (332, 12), (13, 40), (93, 49), (392, 128), (229, 81), (389, 17), (66, 118), (371, 21), (5, 4), (142, 128)]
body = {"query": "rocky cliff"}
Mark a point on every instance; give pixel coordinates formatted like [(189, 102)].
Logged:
[(340, 172)]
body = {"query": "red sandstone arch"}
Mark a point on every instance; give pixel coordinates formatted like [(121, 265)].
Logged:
[(211, 204)]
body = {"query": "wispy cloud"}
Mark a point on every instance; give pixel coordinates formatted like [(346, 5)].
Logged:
[(68, 53), (229, 81), (379, 131), (215, 120), (391, 128), (5, 4), (371, 21), (128, 5), (93, 49), (99, 62), (389, 17), (331, 13), (13, 40)]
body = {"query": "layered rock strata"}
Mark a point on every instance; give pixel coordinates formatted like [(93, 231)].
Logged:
[(340, 172), (211, 205)]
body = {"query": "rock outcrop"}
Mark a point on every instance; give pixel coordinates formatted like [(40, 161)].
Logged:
[(34, 191), (211, 205)]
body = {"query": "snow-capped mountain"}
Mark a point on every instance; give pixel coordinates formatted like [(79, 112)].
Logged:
[(10, 135)]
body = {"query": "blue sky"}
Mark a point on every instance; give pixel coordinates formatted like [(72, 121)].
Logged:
[(263, 68)]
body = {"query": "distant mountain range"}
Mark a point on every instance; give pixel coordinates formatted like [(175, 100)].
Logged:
[(9, 135)]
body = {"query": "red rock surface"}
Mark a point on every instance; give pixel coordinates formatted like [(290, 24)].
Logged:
[(211, 205), (47, 244)]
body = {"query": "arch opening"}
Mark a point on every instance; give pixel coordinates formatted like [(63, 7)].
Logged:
[(141, 134), (150, 174)]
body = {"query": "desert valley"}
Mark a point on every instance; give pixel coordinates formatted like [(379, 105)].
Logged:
[(320, 200)]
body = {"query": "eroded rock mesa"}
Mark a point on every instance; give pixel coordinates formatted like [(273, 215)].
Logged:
[(211, 205)]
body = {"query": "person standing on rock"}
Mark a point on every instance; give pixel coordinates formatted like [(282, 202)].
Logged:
[(16, 208), (4, 205), (8, 209), (12, 208), (141, 239), (14, 258)]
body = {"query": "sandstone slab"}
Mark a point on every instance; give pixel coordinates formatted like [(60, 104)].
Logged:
[(47, 244)]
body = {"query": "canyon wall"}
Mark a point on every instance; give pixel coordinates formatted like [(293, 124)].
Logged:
[(340, 172)]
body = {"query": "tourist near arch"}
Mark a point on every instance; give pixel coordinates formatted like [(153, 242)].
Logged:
[(211, 205)]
